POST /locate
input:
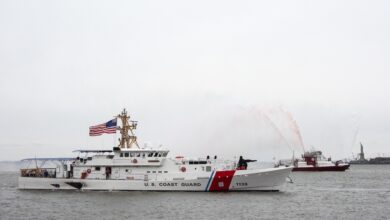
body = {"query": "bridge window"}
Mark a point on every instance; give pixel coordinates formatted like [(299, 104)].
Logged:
[(208, 168), (155, 154), (159, 171), (150, 154), (148, 171), (165, 154), (132, 155), (121, 155), (154, 172), (126, 154), (165, 171)]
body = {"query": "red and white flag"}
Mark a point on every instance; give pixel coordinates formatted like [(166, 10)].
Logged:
[(105, 128)]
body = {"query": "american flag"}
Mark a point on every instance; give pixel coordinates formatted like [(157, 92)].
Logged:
[(105, 128)]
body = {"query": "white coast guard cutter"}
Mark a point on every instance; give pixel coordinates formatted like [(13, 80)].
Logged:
[(128, 167)]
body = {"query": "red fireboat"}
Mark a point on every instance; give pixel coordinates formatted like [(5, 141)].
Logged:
[(315, 161)]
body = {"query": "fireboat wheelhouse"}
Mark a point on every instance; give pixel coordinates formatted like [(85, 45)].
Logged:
[(129, 167)]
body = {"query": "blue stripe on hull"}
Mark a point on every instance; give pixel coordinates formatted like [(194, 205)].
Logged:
[(208, 183)]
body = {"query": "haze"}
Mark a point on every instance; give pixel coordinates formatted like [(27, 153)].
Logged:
[(201, 77)]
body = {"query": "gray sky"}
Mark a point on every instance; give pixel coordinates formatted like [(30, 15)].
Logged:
[(201, 77)]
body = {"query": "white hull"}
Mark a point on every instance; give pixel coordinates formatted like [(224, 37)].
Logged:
[(271, 179)]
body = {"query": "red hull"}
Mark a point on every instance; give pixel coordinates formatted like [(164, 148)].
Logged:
[(327, 168)]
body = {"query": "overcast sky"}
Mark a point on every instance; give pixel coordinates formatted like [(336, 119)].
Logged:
[(201, 77)]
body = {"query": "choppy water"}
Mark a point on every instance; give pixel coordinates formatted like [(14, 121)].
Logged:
[(363, 192)]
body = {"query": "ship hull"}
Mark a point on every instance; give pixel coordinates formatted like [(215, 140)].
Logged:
[(271, 179), (321, 168)]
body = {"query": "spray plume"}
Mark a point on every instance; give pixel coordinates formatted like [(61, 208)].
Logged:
[(275, 128), (294, 127)]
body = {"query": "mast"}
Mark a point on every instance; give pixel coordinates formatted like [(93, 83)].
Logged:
[(127, 140)]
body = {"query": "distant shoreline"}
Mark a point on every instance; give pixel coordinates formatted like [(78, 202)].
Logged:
[(9, 166)]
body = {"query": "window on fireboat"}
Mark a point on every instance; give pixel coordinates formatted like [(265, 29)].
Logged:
[(126, 154)]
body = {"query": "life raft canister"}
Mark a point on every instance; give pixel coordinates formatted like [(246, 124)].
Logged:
[(89, 171), (183, 169), (135, 161)]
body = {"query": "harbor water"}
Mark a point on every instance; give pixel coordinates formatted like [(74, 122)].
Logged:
[(362, 192)]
